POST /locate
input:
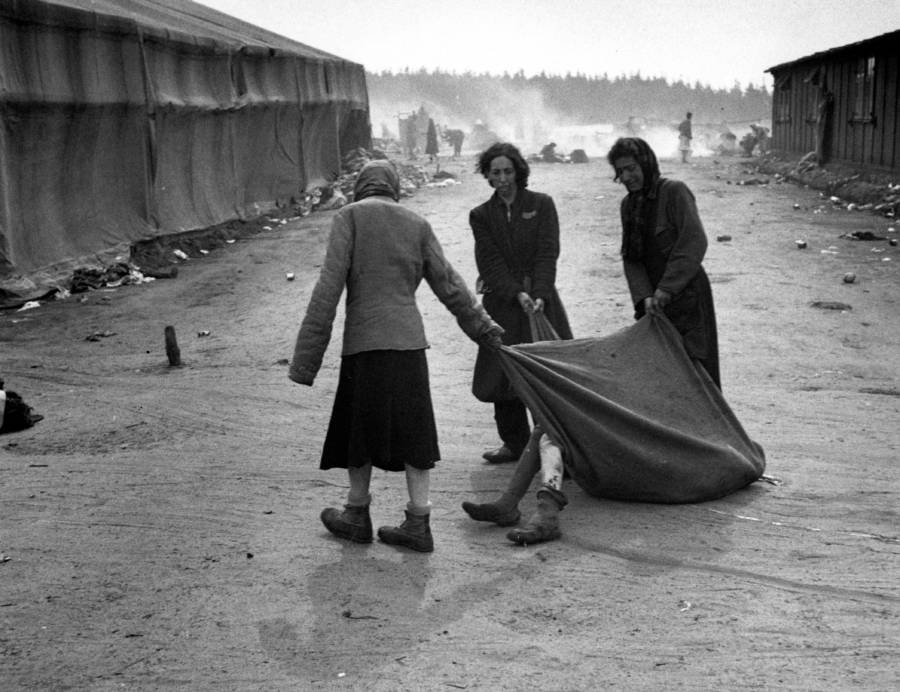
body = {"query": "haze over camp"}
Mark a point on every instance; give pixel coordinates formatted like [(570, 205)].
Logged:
[(423, 346)]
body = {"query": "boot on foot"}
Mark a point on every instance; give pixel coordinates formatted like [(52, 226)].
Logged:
[(353, 523), (501, 455), (414, 533), (543, 525), (493, 511)]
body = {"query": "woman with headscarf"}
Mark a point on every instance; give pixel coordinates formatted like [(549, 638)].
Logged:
[(663, 244), (516, 249), (382, 415)]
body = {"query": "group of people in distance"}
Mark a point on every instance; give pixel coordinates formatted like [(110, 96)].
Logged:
[(380, 251)]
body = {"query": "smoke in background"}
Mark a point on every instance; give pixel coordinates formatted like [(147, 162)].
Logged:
[(488, 112), (520, 117)]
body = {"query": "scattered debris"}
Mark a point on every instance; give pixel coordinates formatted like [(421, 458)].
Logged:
[(336, 200), (880, 390), (446, 182), (117, 274), (862, 235), (157, 257), (842, 186), (830, 305), (170, 272)]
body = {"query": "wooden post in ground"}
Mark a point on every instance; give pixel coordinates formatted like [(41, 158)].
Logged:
[(172, 350)]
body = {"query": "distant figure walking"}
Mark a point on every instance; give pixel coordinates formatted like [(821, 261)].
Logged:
[(455, 138), (431, 141), (685, 135)]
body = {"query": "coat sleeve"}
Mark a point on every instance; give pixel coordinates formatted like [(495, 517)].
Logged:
[(452, 291), (690, 239), (491, 265), (639, 284), (315, 330), (544, 272)]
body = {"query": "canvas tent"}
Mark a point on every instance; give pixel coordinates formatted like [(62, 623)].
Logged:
[(127, 119)]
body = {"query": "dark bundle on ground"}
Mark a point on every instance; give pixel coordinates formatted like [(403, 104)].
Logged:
[(89, 278), (15, 414)]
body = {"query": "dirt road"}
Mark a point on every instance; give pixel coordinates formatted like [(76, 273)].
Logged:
[(159, 528)]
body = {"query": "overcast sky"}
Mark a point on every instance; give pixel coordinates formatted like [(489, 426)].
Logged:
[(715, 42)]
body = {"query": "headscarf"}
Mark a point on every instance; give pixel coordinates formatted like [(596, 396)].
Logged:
[(640, 205), (377, 178)]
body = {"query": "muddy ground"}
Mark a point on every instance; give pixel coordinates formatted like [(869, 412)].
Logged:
[(159, 528)]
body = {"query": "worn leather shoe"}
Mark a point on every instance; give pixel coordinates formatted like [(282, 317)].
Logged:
[(414, 533), (353, 524), (544, 523), (489, 511), (502, 455)]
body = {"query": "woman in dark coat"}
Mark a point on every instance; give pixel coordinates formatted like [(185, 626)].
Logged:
[(663, 244), (516, 249), (380, 251)]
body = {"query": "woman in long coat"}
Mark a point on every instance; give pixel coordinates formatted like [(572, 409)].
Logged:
[(516, 249), (382, 417), (663, 245)]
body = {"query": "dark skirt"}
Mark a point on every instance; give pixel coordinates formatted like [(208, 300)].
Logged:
[(382, 413)]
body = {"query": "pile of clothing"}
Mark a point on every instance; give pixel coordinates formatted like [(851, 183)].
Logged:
[(118, 274)]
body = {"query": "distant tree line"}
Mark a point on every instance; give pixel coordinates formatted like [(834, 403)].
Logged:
[(574, 99)]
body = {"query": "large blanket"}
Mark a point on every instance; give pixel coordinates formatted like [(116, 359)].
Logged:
[(637, 418)]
